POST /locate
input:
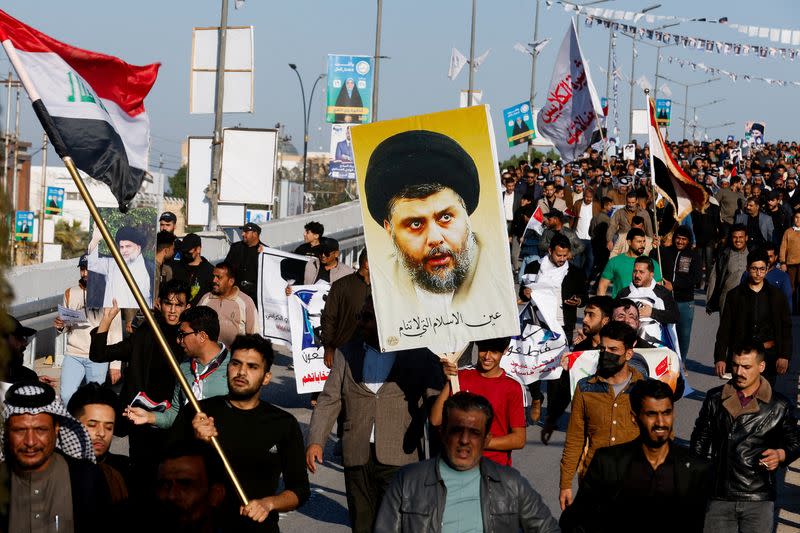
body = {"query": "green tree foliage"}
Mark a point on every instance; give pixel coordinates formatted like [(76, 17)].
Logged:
[(72, 238), (143, 218), (535, 154), (177, 183)]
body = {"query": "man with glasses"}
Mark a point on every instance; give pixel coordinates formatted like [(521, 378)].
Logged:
[(326, 265), (148, 373), (205, 369), (755, 313)]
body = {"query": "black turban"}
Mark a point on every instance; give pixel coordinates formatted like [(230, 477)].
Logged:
[(126, 233), (418, 157)]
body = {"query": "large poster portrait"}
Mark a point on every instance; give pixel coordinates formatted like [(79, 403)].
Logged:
[(134, 235), (436, 235)]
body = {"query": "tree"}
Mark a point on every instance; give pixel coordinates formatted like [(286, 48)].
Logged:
[(177, 183), (72, 238)]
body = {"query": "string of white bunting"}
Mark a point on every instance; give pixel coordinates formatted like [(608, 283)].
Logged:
[(683, 63), (776, 35), (696, 43)]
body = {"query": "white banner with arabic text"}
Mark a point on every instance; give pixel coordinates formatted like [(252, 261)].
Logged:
[(305, 310)]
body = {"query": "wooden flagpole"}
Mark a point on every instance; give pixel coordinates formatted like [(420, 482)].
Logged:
[(148, 315)]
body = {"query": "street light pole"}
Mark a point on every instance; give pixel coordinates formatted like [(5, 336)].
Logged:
[(216, 144), (686, 96), (306, 117), (471, 55), (377, 59), (533, 70)]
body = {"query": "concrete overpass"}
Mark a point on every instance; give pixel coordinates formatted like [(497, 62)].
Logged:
[(38, 289)]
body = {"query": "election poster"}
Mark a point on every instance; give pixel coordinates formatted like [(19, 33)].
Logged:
[(349, 89), (276, 270), (342, 166), (258, 216), (435, 230), (662, 364), (54, 201), (629, 152), (23, 227), (134, 235), (305, 310), (519, 123), (536, 354), (663, 112)]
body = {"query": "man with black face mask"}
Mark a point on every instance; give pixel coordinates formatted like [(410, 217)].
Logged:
[(600, 407), (648, 472), (77, 367)]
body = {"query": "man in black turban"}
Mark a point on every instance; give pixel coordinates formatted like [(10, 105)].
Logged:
[(130, 242)]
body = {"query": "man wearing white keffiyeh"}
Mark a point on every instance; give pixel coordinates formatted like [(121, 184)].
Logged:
[(49, 461), (658, 311)]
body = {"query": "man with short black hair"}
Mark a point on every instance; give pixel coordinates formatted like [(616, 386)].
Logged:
[(728, 269), (312, 234), (619, 269), (648, 472), (756, 312), (263, 443), (243, 255), (167, 222), (96, 407), (621, 220), (600, 414), (750, 431), (148, 373), (165, 251), (461, 490), (189, 490), (204, 369), (237, 311), (759, 225)]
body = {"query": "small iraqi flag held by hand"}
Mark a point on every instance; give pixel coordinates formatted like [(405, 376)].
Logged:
[(536, 223), (91, 105)]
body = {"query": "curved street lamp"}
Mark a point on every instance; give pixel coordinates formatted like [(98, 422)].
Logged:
[(306, 117)]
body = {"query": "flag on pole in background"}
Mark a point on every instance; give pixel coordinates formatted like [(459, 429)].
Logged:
[(570, 113), (91, 105), (671, 181), (457, 62)]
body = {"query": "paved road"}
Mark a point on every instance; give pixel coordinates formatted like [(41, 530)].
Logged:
[(539, 463)]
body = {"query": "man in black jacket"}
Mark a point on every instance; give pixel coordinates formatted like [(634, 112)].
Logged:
[(682, 271), (705, 226), (750, 430), (243, 255), (148, 372), (552, 270), (194, 269), (648, 473), (497, 496), (756, 312)]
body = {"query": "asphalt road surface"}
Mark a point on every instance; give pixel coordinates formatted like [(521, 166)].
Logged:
[(327, 507)]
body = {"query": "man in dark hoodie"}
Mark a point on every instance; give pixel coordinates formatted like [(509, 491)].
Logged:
[(682, 269)]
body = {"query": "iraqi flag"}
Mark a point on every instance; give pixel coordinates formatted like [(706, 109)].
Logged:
[(91, 105), (536, 223), (671, 181)]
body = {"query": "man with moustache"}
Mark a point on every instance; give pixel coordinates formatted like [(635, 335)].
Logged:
[(619, 269), (648, 472), (263, 443), (461, 490), (437, 264), (237, 312), (131, 242)]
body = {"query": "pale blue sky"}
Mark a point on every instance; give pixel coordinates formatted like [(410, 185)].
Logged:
[(417, 36)]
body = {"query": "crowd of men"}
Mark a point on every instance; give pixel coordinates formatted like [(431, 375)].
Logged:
[(415, 456)]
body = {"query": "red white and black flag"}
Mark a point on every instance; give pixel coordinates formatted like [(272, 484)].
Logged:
[(91, 105), (671, 181)]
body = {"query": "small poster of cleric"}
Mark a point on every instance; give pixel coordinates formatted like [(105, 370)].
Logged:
[(134, 235), (276, 270), (305, 310), (754, 132), (663, 112), (54, 202), (349, 89), (662, 364), (536, 354), (23, 226), (342, 166), (519, 123), (435, 231)]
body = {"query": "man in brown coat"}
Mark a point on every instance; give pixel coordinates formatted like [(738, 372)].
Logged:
[(383, 396)]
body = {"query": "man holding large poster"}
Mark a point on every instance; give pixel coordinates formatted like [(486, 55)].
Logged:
[(439, 270)]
